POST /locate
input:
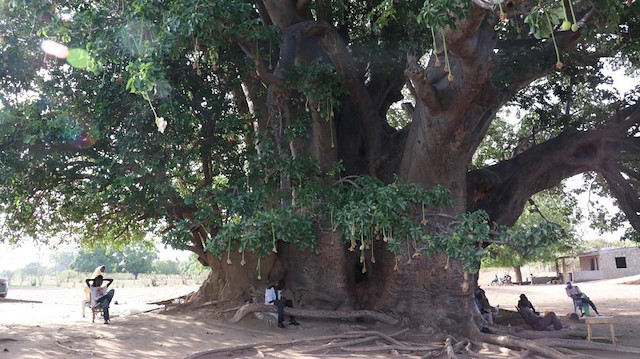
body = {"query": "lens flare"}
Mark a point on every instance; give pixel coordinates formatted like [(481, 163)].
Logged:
[(79, 134), (54, 49)]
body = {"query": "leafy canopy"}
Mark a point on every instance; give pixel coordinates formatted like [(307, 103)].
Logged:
[(142, 124)]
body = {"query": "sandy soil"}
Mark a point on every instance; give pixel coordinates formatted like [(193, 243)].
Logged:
[(47, 323)]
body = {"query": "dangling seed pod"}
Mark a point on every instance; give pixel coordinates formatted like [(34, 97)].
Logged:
[(259, 270), (503, 16), (435, 47), (447, 65), (559, 63), (574, 27)]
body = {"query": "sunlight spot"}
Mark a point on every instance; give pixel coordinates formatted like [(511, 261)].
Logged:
[(54, 49)]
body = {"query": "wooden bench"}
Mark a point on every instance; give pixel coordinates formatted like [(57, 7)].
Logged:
[(600, 320)]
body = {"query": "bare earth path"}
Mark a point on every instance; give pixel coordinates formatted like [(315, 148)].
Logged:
[(56, 329)]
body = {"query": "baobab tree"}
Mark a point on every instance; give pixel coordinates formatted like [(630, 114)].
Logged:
[(326, 142)]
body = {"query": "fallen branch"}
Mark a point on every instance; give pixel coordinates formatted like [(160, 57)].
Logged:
[(389, 348), (581, 344), (341, 344), (166, 302), (324, 314), (373, 336), (388, 338), (459, 345), (451, 354), (211, 302), (512, 342), (231, 309), (264, 344), (574, 353), (226, 349)]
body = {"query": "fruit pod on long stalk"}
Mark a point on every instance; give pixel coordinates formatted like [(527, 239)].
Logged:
[(574, 27), (559, 63), (566, 24)]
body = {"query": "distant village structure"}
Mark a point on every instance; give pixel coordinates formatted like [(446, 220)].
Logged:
[(606, 263)]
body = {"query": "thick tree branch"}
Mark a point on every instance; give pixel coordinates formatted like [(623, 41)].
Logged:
[(324, 12), (462, 104), (503, 189), (264, 14), (627, 196), (371, 122), (285, 13), (421, 86), (261, 70)]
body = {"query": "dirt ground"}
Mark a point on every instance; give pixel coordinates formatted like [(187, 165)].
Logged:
[(47, 323)]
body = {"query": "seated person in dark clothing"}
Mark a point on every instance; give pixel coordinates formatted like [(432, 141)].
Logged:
[(483, 305), (525, 303), (538, 322), (273, 295)]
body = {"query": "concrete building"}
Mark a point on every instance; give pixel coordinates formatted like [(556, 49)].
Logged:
[(606, 263)]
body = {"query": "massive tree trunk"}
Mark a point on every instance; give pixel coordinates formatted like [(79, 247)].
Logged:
[(451, 116)]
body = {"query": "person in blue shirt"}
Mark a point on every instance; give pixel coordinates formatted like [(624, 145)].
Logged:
[(273, 296)]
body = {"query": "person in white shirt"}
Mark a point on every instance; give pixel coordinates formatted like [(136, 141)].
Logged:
[(273, 296), (87, 296), (101, 295), (576, 294)]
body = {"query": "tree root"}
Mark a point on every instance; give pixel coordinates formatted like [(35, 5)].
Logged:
[(451, 353), (525, 344), (585, 345), (324, 314), (480, 346), (371, 336), (554, 347), (346, 346)]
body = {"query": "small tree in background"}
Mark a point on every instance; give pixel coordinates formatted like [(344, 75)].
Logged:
[(62, 260), (167, 267), (192, 267), (87, 261), (546, 213), (136, 260), (37, 271)]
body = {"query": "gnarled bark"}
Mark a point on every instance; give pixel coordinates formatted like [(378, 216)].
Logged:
[(448, 122)]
